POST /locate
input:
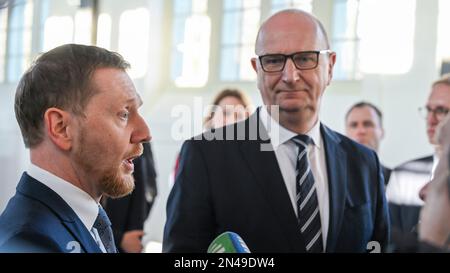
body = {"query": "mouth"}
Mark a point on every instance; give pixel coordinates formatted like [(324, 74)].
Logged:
[(291, 91), (128, 163)]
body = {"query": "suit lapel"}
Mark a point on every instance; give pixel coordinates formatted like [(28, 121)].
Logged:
[(36, 190), (336, 159), (266, 170), (79, 231)]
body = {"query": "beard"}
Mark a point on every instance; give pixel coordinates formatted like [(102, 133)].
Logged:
[(108, 177), (114, 185)]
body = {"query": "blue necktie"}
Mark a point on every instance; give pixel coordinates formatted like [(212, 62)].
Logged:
[(103, 226), (307, 204)]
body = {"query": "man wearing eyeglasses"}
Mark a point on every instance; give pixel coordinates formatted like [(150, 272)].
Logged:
[(408, 178), (296, 187)]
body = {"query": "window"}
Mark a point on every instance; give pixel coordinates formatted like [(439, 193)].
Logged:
[(104, 31), (396, 56), (19, 39), (133, 45), (3, 35), (359, 37), (58, 30), (190, 43), (74, 27), (239, 29), (345, 40), (83, 26), (278, 5), (443, 41)]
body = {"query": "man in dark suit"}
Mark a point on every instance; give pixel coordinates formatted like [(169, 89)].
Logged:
[(71, 100), (281, 179), (128, 214), (364, 124)]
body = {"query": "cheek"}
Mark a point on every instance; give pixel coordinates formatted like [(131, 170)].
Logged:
[(114, 143), (217, 119), (270, 81)]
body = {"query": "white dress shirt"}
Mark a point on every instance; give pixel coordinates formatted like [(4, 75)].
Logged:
[(84, 206), (286, 152), (405, 183)]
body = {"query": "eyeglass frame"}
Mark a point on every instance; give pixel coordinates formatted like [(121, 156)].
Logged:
[(425, 111), (291, 56)]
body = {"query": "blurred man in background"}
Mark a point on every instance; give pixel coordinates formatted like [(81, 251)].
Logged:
[(364, 124)]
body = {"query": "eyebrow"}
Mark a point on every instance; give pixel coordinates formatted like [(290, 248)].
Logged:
[(136, 99)]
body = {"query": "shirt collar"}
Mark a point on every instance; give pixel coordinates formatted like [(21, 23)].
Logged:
[(84, 206), (279, 135)]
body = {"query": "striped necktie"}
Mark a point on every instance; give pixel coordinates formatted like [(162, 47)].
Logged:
[(307, 203)]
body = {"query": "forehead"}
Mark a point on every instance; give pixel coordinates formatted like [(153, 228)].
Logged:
[(362, 113), (114, 85), (440, 95), (230, 100), (288, 33)]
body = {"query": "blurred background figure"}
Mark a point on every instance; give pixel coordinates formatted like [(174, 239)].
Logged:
[(364, 124), (408, 178), (229, 106), (128, 214), (434, 226)]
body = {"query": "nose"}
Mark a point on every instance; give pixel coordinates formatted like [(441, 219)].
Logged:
[(361, 129), (424, 192), (141, 132), (290, 72), (432, 118)]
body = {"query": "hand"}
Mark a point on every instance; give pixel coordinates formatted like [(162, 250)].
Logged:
[(435, 216), (131, 241)]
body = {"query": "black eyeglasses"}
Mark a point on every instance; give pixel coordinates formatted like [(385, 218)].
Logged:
[(439, 112), (302, 60)]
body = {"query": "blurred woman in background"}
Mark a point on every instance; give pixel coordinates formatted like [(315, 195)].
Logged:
[(229, 106)]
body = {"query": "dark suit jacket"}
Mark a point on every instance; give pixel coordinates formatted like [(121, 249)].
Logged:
[(130, 212), (408, 242), (37, 219), (231, 185)]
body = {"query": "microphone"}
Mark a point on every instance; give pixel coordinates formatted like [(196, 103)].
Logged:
[(228, 242)]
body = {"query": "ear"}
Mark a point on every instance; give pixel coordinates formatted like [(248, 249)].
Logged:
[(57, 123), (254, 65), (331, 62)]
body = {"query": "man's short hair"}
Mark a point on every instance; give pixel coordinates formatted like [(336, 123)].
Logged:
[(59, 78), (364, 104), (444, 79)]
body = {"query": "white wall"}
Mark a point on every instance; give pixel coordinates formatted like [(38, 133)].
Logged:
[(13, 156)]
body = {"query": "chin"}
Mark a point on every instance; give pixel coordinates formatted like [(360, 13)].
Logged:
[(297, 108), (290, 109), (118, 185)]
